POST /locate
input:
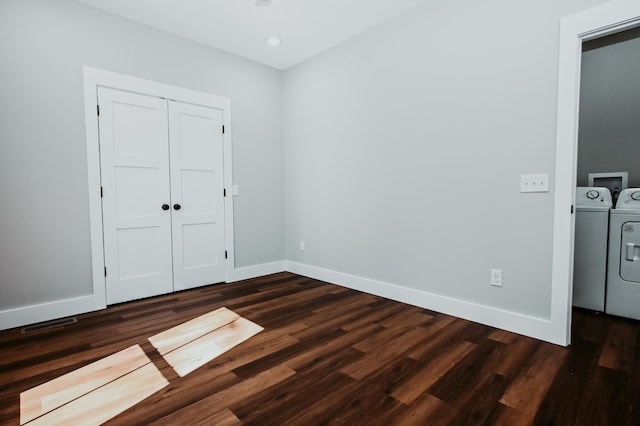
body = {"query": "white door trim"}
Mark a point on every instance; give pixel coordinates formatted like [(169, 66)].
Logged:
[(592, 23), (94, 78)]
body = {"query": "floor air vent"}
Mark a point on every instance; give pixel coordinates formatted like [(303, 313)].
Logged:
[(49, 324)]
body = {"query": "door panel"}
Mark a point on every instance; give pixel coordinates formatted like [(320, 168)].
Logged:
[(134, 156), (201, 247), (197, 185), (630, 252)]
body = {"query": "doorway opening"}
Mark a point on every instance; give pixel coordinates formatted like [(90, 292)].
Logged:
[(607, 150), (593, 24)]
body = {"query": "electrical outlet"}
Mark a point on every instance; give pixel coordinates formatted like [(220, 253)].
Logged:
[(303, 246), (496, 277), (534, 183)]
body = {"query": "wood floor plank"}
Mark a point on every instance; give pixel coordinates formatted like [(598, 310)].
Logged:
[(295, 312), (107, 401), (374, 315), (325, 321), (562, 403), (476, 366), (258, 347), (411, 316), (619, 348), (382, 338), (302, 296), (502, 336), (594, 328), (476, 405), (408, 391), (276, 358), (53, 394), (504, 416), (441, 330), (352, 404), (174, 398), (267, 293), (224, 417), (603, 408), (355, 300), (419, 412), (393, 349), (279, 404), (528, 389), (307, 357), (520, 350), (213, 404), (475, 332)]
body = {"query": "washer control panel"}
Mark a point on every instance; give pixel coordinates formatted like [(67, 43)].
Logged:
[(629, 199), (594, 196)]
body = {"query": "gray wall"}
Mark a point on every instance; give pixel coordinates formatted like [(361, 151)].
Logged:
[(404, 149), (44, 222), (609, 133)]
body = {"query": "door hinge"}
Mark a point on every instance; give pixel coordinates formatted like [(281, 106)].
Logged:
[(101, 193), (105, 271), (226, 255), (571, 208), (98, 109), (223, 129), (224, 192)]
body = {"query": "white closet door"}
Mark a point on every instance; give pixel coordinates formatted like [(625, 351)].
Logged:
[(134, 155), (197, 197)]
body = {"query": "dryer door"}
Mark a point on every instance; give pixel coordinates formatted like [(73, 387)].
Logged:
[(630, 252)]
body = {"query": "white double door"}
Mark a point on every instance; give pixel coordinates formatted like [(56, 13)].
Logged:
[(162, 199)]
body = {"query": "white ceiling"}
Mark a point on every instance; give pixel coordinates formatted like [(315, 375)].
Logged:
[(306, 27)]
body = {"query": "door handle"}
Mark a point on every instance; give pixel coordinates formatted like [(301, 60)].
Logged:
[(165, 207), (177, 206), (631, 252)]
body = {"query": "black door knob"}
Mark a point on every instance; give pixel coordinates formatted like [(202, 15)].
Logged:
[(165, 207), (177, 206)]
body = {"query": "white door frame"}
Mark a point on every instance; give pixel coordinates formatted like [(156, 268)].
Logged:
[(94, 78), (575, 29)]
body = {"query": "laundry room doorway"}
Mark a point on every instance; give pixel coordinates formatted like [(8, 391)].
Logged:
[(608, 152), (589, 28)]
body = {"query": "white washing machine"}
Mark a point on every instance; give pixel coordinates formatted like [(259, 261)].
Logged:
[(590, 247), (623, 277)]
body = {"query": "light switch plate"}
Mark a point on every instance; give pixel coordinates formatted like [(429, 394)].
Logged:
[(235, 190), (534, 183)]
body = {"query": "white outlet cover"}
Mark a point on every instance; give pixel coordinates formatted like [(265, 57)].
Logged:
[(496, 277)]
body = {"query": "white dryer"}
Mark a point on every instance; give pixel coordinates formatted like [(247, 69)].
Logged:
[(623, 276), (590, 247)]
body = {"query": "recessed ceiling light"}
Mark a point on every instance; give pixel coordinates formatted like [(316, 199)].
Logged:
[(273, 41), (263, 2)]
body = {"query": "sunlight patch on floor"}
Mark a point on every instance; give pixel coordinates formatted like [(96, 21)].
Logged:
[(103, 389), (94, 393)]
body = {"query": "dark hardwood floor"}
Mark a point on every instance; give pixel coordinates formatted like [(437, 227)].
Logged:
[(330, 355)]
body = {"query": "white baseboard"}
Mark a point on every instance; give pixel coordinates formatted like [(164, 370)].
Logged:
[(538, 328), (26, 315), (256, 271), (32, 314)]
